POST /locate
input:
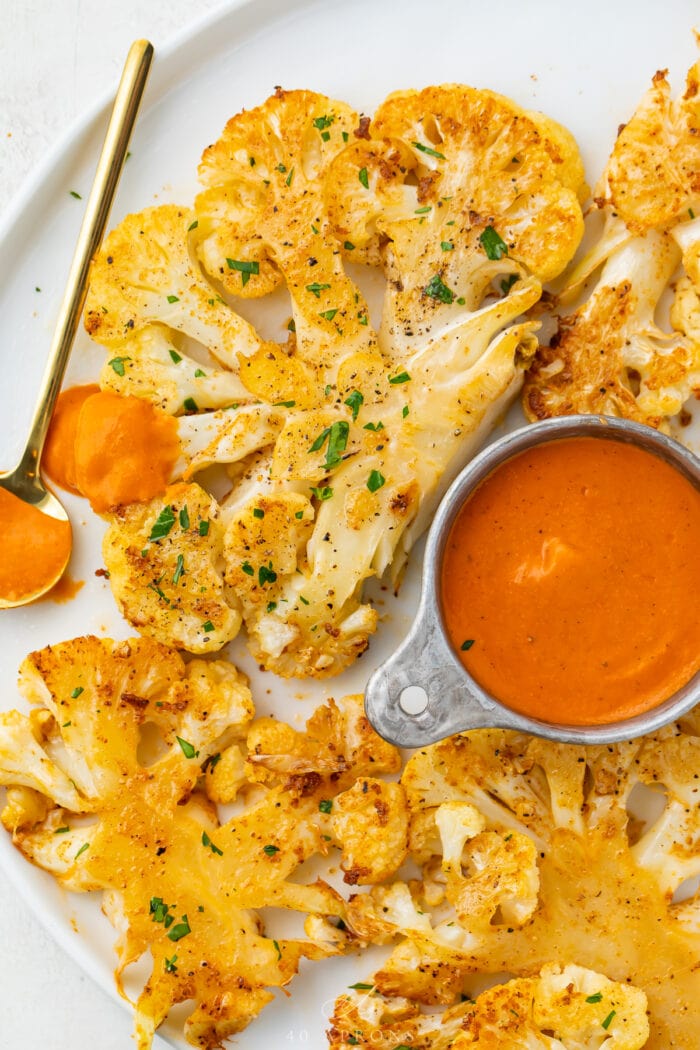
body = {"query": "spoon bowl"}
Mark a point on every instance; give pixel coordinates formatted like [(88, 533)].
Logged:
[(33, 493)]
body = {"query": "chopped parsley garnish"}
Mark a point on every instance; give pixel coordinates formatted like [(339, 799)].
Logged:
[(461, 301), (325, 805), (691, 213), (277, 947), (299, 514), (375, 480), (207, 626), (193, 225), (190, 405), (345, 136), (156, 590), (179, 568), (199, 374), (258, 512), (317, 288), (402, 377), (353, 402), (596, 998), (86, 845), (291, 327), (361, 987), (180, 930), (188, 749), (266, 574), (337, 437), (288, 180), (466, 645), (303, 600), (170, 966), (447, 246), (349, 246), (427, 149), (328, 315), (206, 841), (284, 404), (61, 831), (173, 299), (271, 606), (203, 528), (508, 282), (175, 357), (608, 1020), (362, 176), (404, 411), (117, 363), (438, 290), (493, 244), (184, 518), (76, 692), (74, 193), (163, 524), (321, 123), (424, 210), (271, 850), (281, 168), (248, 568), (373, 426), (322, 493), (246, 267), (160, 911)]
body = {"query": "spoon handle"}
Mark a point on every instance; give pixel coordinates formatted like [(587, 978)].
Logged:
[(97, 208)]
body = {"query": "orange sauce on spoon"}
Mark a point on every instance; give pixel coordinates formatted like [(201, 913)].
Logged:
[(570, 582), (35, 548)]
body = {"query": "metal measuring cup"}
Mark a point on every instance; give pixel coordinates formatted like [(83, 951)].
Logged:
[(423, 693)]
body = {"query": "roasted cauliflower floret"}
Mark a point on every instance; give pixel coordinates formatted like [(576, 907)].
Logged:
[(144, 275), (564, 1008), (165, 560), (370, 821)]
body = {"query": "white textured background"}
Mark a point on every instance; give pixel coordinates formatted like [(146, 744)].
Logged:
[(56, 57)]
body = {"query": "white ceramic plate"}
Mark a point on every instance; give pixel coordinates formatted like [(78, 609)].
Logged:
[(587, 67)]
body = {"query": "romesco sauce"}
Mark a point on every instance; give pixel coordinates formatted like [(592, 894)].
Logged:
[(58, 459), (570, 582), (35, 548)]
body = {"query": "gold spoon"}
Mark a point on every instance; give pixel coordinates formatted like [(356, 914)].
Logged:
[(25, 483)]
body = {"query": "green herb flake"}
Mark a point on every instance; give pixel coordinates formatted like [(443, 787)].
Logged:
[(608, 1020), (466, 645), (375, 481), (322, 493), (61, 831), (354, 401), (281, 168), (277, 949), (337, 442), (373, 426), (303, 600), (427, 149), (193, 225), (271, 606), (258, 512), (326, 805), (184, 518), (691, 213), (461, 301), (181, 930), (424, 210), (314, 228), (359, 986), (437, 289), (288, 180), (66, 724), (328, 315), (175, 357), (595, 998), (74, 193), (170, 966), (207, 626), (206, 841), (117, 363), (317, 288), (162, 525), (179, 568), (271, 850), (447, 246), (190, 405), (204, 528), (187, 749), (291, 327), (346, 136), (493, 244), (85, 846), (299, 514), (248, 568), (404, 411), (76, 692), (245, 267), (266, 574), (284, 404), (349, 246), (508, 282), (363, 177), (199, 374), (402, 377), (173, 299)]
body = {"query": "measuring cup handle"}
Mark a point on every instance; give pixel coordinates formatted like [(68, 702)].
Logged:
[(421, 694)]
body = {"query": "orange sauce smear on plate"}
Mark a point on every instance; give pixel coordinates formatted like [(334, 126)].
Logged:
[(573, 570), (114, 450), (35, 548)]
